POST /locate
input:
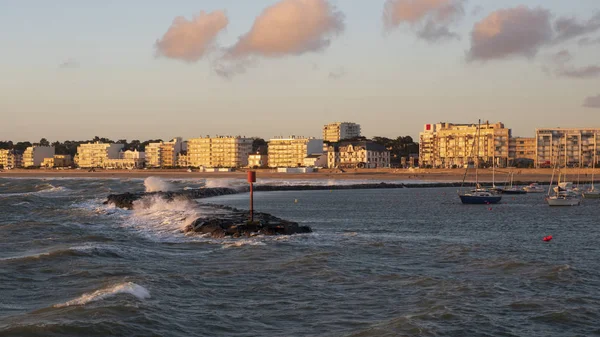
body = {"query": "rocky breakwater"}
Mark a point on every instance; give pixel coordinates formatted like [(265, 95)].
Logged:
[(126, 200), (236, 224), (227, 221)]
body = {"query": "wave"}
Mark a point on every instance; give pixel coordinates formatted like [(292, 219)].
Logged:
[(131, 288), (82, 250), (155, 184), (42, 189)]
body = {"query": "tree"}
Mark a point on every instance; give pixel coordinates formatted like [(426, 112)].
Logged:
[(258, 143), (44, 142)]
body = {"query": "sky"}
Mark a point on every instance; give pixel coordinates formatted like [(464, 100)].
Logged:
[(149, 69)]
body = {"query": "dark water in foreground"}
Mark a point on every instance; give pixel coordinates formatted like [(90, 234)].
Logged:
[(408, 262)]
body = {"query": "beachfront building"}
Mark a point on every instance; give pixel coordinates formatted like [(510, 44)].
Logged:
[(164, 154), (575, 147), (318, 160), (258, 160), (521, 149), (219, 152), (335, 132), (34, 155), (10, 159), (447, 145), (362, 154), (291, 151), (59, 160), (92, 155), (127, 160), (183, 159)]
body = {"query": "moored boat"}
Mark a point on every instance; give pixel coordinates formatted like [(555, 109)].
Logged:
[(534, 188)]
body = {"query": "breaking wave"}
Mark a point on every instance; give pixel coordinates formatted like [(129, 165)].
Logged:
[(131, 288), (155, 184)]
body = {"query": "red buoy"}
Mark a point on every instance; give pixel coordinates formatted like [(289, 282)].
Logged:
[(547, 238)]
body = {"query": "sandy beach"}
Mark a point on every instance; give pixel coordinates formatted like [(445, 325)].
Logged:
[(434, 175)]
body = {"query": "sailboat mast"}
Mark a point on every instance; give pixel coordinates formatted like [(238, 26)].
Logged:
[(477, 154)]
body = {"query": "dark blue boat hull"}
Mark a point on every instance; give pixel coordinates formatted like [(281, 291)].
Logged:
[(478, 200)]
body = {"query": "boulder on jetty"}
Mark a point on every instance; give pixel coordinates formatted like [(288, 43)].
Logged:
[(237, 225)]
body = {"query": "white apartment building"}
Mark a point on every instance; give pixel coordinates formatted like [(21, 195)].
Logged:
[(364, 154), (447, 145), (127, 160), (34, 155), (164, 154), (219, 152), (10, 159), (569, 147), (291, 151), (96, 154), (335, 132)]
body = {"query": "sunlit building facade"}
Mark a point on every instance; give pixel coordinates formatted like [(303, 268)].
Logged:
[(34, 155), (363, 154), (335, 132), (575, 147), (97, 154), (219, 152), (447, 145), (291, 151), (10, 159)]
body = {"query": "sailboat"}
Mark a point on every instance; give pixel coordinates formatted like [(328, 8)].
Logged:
[(479, 195), (592, 192), (562, 196), (511, 189)]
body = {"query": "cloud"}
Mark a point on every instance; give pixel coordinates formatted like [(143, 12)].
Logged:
[(519, 31), (568, 28), (191, 40), (560, 62), (337, 73), (290, 27), (584, 72), (586, 41), (592, 102), (562, 57), (69, 64), (429, 18)]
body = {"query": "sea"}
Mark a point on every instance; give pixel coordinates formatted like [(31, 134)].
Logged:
[(380, 262)]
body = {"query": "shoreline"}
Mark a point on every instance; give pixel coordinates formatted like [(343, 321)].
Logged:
[(374, 175)]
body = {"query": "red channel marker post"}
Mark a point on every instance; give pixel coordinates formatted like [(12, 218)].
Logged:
[(251, 179)]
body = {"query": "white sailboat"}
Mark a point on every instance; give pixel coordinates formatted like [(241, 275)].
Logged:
[(562, 196), (479, 195), (592, 192)]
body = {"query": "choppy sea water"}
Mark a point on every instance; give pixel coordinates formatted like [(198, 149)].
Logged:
[(405, 262)]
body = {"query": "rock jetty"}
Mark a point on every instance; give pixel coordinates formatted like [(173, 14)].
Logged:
[(233, 222), (236, 224), (125, 200)]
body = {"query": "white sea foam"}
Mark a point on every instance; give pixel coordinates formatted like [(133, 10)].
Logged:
[(157, 218), (155, 184), (124, 288), (241, 243), (47, 189)]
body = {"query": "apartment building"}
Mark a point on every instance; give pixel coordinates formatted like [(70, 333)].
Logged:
[(364, 154), (59, 160), (127, 160), (335, 132), (447, 145), (34, 155), (164, 154), (567, 147), (521, 148), (92, 155), (219, 152), (183, 159), (291, 151), (10, 159)]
